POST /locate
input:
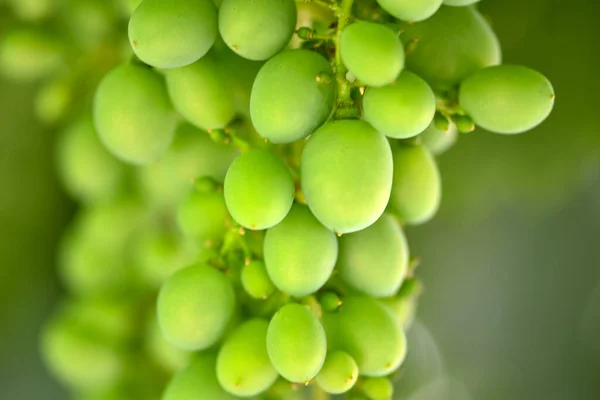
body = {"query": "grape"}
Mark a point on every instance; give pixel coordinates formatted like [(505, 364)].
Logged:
[(33, 10), (372, 52), (339, 373), (202, 216), (80, 157), (108, 317), (375, 260), (459, 36), (401, 110), (243, 366), (403, 310), (174, 33), (256, 281), (416, 191), (88, 22), (507, 99), (52, 101), (200, 95), (161, 351), (28, 55), (296, 343), (133, 115), (79, 357), (192, 154), (300, 253), (459, 3), (289, 100), (378, 388), (411, 10), (195, 306), (438, 141), (259, 190), (366, 331), (128, 6), (197, 381), (347, 175), (263, 35)]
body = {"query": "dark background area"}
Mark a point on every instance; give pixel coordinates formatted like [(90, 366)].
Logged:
[(511, 264)]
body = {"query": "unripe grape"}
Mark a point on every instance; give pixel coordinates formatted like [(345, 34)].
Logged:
[(243, 366), (33, 10), (199, 93), (374, 261), (403, 309), (256, 281), (193, 154), (339, 373), (401, 110), (296, 343), (161, 351), (507, 99), (366, 331), (28, 55), (174, 33), (438, 141), (197, 381), (128, 6), (378, 388), (259, 190), (81, 156), (300, 253), (416, 192), (194, 307), (459, 3), (288, 100), (411, 10), (265, 33), (459, 36), (133, 115), (202, 216), (372, 52), (347, 175), (53, 100)]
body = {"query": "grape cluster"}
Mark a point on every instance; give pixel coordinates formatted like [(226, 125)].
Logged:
[(246, 169)]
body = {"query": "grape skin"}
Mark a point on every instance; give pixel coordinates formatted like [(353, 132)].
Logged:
[(202, 216), (256, 281), (411, 10), (339, 373)]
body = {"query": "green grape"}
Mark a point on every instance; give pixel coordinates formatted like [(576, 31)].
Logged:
[(107, 317), (259, 190), (87, 170), (330, 302), (202, 216), (378, 388), (296, 343), (78, 357), (459, 36), (411, 10), (192, 154), (159, 254), (347, 175), (401, 110), (339, 373), (33, 10), (289, 100), (88, 22), (172, 34), (256, 281), (403, 309), (459, 3), (375, 260), (417, 190), (161, 351), (265, 33), (52, 101), (366, 330), (243, 366), (197, 381), (133, 115), (199, 93), (507, 99), (300, 253), (372, 52), (194, 307), (128, 6), (438, 141), (28, 55)]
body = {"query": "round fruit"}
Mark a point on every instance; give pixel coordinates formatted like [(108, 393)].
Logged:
[(256, 281), (438, 141), (411, 10), (202, 216), (347, 175), (339, 373)]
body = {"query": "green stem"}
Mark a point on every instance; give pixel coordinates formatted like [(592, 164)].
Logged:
[(322, 3), (344, 102)]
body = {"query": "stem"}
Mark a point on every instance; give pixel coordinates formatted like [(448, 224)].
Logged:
[(344, 12)]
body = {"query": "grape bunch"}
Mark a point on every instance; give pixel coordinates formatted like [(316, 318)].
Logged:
[(246, 170)]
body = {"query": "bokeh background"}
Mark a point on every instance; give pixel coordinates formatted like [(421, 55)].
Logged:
[(511, 265)]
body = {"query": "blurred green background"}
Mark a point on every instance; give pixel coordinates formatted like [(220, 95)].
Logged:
[(511, 265)]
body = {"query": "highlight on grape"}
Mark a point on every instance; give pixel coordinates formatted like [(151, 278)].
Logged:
[(245, 171)]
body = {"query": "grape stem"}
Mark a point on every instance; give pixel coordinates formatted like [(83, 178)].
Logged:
[(344, 101)]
